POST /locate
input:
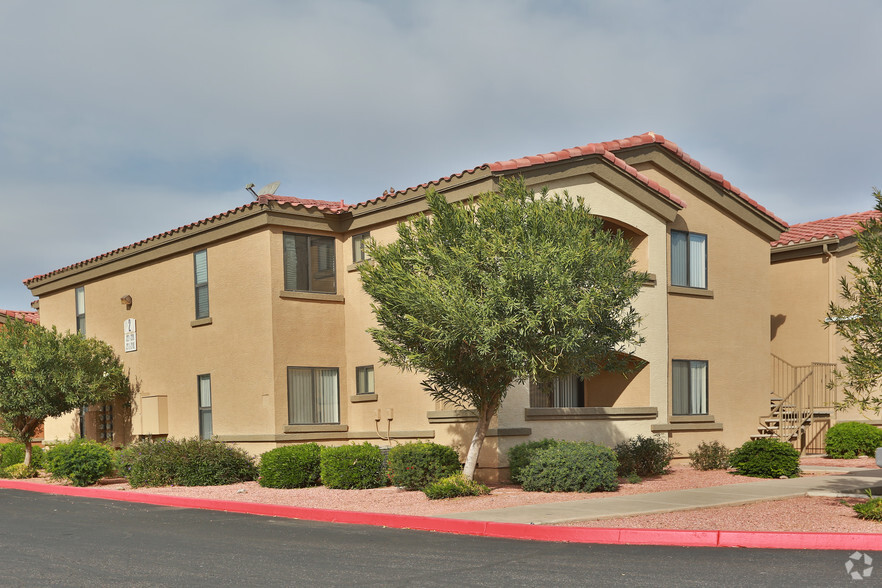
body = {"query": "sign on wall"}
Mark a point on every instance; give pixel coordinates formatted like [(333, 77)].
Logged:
[(131, 337)]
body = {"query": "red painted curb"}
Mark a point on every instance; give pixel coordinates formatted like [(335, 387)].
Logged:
[(671, 537)]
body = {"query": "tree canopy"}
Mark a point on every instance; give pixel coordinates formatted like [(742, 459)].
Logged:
[(44, 373), (858, 319), (506, 287)]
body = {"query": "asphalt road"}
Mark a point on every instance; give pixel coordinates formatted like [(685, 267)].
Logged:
[(62, 541)]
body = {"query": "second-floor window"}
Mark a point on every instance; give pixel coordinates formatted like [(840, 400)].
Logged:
[(200, 267), (688, 259), (359, 249), (81, 310), (310, 263)]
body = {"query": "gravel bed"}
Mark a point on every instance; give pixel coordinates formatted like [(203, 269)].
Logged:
[(810, 514)]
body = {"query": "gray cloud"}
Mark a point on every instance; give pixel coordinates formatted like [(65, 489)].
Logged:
[(120, 120)]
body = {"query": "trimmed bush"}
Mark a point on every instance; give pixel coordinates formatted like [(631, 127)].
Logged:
[(766, 458), (82, 461), (185, 462), (710, 456), (414, 466), (453, 487), (644, 456), (521, 454), (14, 453), (571, 466), (848, 440), (293, 466), (353, 467), (148, 463)]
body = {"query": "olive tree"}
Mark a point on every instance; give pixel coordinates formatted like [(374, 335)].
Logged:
[(858, 319), (506, 287), (44, 373)]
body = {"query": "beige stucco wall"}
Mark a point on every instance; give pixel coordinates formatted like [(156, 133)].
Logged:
[(257, 331), (803, 288), (233, 348), (728, 329)]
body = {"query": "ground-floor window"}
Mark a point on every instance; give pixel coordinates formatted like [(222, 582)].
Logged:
[(563, 392), (313, 396), (689, 385), (364, 379), (204, 389)]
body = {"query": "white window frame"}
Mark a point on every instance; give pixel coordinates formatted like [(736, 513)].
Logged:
[(200, 283)]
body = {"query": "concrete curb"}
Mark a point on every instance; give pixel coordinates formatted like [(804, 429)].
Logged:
[(749, 539)]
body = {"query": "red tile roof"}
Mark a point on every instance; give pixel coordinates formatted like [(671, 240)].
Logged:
[(838, 226), (606, 150), (322, 205), (29, 316)]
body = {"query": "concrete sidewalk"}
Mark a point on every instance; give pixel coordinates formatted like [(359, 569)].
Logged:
[(854, 482)]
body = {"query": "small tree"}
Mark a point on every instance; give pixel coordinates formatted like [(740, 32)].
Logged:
[(44, 373), (507, 287), (859, 319)]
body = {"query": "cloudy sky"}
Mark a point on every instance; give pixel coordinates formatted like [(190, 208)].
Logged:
[(119, 120)]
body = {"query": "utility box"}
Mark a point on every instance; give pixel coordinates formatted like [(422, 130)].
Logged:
[(154, 415)]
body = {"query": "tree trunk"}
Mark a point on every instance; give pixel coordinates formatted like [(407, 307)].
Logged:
[(27, 448), (484, 416)]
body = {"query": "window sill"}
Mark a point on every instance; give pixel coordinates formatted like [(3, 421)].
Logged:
[(291, 295), (688, 426), (353, 267), (315, 428), (201, 322), (651, 281), (591, 413), (691, 418), (363, 398), (686, 291), (452, 416)]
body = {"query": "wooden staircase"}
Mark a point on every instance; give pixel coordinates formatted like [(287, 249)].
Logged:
[(801, 405)]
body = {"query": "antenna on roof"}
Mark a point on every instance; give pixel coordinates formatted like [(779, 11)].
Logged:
[(250, 188)]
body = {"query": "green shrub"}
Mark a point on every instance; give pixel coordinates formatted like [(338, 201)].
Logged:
[(413, 466), (571, 467), (19, 471), (710, 456), (870, 510), (521, 454), (766, 458), (148, 463), (848, 440), (644, 456), (353, 466), (455, 486), (185, 462), (14, 453), (292, 466), (82, 461)]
